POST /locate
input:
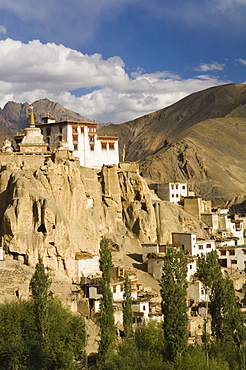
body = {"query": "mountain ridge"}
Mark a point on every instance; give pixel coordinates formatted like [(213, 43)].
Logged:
[(198, 140)]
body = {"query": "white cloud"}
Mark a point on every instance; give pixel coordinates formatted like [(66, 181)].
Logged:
[(3, 30), (34, 70), (213, 66), (242, 61)]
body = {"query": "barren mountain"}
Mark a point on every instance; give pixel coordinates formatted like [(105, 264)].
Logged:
[(15, 116), (199, 140)]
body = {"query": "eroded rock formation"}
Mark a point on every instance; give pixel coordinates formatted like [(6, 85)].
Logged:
[(55, 208)]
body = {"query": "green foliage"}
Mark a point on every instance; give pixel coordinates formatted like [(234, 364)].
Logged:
[(127, 308), (106, 313), (194, 359), (150, 337), (130, 357), (40, 284), (227, 319), (174, 301), (26, 345), (14, 324)]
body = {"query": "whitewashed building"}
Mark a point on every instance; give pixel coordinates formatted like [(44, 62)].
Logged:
[(81, 137), (172, 192), (117, 289), (192, 245)]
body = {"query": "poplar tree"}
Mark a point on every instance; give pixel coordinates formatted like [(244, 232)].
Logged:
[(106, 313), (174, 301), (227, 319), (40, 287), (127, 308)]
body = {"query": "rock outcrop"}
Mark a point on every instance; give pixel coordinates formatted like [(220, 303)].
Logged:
[(55, 208)]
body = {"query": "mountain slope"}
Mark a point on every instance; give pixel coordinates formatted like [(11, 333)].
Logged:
[(15, 116), (199, 140)]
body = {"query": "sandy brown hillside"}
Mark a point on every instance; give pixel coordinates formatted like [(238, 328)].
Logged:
[(199, 139)]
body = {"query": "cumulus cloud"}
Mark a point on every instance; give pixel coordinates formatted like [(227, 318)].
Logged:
[(213, 66), (34, 70)]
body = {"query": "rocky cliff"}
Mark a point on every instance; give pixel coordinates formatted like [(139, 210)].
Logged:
[(55, 208)]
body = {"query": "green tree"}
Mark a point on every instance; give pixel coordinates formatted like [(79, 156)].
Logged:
[(127, 307), (174, 301), (40, 288), (40, 333), (106, 313), (227, 319), (15, 322)]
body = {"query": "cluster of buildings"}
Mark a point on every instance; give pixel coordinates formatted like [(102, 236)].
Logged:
[(145, 304), (225, 234), (80, 138), (225, 231)]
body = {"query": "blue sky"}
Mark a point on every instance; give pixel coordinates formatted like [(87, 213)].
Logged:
[(116, 60)]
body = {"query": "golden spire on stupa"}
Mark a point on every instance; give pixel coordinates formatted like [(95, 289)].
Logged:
[(31, 121)]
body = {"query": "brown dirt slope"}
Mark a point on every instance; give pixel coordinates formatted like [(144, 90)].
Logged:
[(199, 140)]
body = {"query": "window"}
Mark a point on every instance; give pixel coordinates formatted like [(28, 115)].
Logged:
[(122, 288), (177, 195), (60, 129), (237, 226), (48, 140), (223, 253), (92, 148), (75, 146), (183, 187), (111, 146), (200, 246), (208, 246), (75, 129), (48, 131), (172, 186), (114, 289), (104, 145), (202, 292), (172, 195), (75, 138), (233, 262), (232, 252), (60, 137), (177, 186), (82, 129), (144, 308), (98, 290), (190, 267), (91, 138)]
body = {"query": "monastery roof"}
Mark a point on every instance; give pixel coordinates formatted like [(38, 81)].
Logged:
[(69, 122)]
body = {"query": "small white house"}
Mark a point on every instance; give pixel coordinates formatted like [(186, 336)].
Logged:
[(196, 292), (232, 257), (140, 310), (87, 265), (172, 192), (116, 287), (192, 245)]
